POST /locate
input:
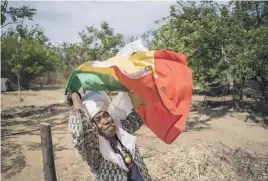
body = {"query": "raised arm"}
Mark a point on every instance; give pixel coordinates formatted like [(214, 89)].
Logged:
[(84, 133), (133, 122)]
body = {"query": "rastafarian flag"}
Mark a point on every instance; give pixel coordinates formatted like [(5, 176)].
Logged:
[(162, 78)]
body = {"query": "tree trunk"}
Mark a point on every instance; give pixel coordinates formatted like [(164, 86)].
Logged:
[(237, 95), (19, 87), (24, 82)]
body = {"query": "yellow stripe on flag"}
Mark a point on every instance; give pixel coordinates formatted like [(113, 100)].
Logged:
[(130, 65), (87, 67), (143, 60)]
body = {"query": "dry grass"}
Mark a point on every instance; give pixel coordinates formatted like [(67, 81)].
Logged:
[(210, 163)]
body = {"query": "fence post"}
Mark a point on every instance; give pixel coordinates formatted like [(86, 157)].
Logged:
[(47, 151)]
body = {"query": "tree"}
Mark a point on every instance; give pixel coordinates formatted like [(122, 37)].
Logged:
[(192, 29), (70, 56), (25, 54), (13, 15), (100, 44), (97, 44), (224, 43)]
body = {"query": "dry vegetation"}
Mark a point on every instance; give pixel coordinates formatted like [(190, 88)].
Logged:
[(211, 162)]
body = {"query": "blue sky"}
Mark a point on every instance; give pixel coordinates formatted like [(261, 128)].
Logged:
[(62, 20)]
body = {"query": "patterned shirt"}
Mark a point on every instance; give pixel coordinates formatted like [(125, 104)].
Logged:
[(86, 142)]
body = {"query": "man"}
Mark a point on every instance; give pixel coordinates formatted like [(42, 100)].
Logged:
[(106, 144)]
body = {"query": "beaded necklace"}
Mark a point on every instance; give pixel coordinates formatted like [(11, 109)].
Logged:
[(125, 153)]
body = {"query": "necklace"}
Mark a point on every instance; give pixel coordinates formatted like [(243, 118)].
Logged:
[(125, 153)]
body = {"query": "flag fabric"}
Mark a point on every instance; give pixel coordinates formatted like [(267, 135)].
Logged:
[(162, 78)]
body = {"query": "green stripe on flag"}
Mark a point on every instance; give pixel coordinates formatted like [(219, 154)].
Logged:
[(92, 81)]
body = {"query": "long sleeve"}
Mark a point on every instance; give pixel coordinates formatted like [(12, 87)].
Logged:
[(133, 122), (85, 138)]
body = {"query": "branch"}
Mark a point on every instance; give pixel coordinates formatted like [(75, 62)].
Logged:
[(8, 70), (13, 23), (4, 10), (224, 54), (4, 7)]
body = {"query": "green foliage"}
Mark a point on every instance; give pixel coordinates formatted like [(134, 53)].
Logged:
[(15, 15), (70, 56), (224, 43), (25, 54), (97, 44), (100, 44)]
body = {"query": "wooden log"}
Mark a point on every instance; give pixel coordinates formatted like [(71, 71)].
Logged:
[(47, 151)]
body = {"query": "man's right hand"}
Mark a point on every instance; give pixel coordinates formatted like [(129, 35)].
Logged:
[(68, 99), (71, 98)]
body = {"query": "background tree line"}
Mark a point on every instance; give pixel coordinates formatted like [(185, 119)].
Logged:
[(225, 44)]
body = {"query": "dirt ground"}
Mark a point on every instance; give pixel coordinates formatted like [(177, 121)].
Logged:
[(21, 156)]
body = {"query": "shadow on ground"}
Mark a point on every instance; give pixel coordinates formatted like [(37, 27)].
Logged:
[(32, 146), (258, 112), (215, 107), (12, 158), (12, 153), (203, 112), (27, 120), (25, 111)]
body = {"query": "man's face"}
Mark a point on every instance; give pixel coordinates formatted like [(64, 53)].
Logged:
[(105, 123)]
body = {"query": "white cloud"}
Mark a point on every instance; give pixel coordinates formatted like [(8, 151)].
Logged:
[(63, 20)]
